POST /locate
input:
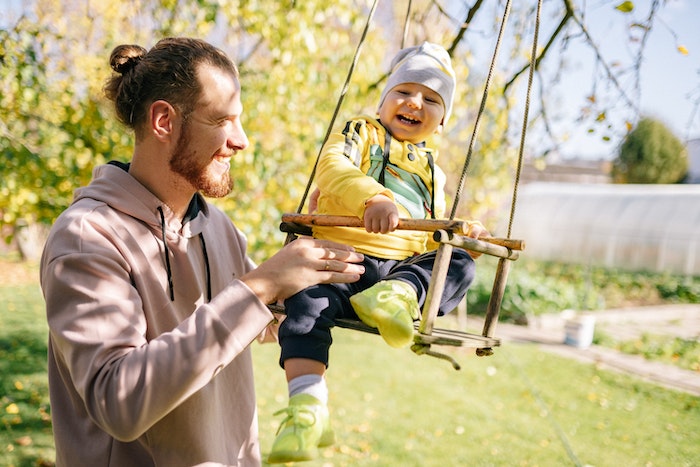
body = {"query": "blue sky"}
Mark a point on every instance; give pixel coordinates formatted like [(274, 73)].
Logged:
[(668, 78), (670, 81)]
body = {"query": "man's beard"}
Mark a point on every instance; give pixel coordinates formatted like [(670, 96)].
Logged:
[(184, 163)]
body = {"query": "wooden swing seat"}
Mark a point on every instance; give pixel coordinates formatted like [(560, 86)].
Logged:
[(425, 335)]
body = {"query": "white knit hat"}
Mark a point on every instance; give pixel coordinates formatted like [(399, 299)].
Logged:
[(428, 64)]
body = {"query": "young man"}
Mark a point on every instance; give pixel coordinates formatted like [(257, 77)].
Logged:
[(151, 299)]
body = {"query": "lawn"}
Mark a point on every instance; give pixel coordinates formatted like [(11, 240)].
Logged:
[(389, 407), (519, 407)]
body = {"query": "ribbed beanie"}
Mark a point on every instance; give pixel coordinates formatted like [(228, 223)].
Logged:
[(427, 64)]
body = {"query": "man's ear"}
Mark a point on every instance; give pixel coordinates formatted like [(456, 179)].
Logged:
[(162, 119)]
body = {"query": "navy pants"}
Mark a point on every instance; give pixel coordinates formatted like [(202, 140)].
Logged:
[(306, 331)]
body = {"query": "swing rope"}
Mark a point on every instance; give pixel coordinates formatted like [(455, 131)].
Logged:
[(406, 24), (482, 106), (526, 111), (343, 92), (523, 132), (448, 239)]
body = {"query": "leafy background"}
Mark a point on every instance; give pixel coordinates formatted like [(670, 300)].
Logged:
[(56, 126)]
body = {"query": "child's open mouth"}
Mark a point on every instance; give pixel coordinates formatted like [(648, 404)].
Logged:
[(407, 120)]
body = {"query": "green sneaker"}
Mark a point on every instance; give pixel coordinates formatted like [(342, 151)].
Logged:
[(390, 306), (305, 429)]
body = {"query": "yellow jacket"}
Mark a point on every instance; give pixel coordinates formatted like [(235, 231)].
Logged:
[(345, 185)]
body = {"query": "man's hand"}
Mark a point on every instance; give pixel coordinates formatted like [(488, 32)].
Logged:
[(301, 264)]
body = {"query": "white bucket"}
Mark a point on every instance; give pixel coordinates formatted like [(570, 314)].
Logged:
[(579, 331)]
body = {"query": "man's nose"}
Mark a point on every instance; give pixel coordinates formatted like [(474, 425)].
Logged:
[(238, 140)]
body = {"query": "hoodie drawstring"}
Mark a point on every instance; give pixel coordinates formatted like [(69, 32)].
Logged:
[(206, 265), (167, 259), (167, 255)]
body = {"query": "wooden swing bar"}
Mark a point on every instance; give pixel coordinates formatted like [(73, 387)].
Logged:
[(425, 225), (450, 234)]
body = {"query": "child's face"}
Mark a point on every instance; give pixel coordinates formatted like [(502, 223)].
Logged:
[(412, 112)]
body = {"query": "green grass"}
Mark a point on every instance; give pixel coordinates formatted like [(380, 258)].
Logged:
[(537, 287), (25, 433), (683, 353), (519, 407)]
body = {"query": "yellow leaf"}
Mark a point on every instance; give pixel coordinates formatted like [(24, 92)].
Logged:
[(682, 49), (629, 126), (625, 7), (600, 117), (12, 408), (24, 441)]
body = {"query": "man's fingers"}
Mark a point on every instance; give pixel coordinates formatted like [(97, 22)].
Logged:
[(341, 255), (341, 267), (329, 245), (348, 273)]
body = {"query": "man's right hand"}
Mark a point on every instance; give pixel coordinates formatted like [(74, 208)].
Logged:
[(301, 264)]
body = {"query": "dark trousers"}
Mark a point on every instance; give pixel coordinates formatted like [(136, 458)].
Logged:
[(306, 331)]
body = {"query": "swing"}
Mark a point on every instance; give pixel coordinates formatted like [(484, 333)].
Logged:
[(449, 233)]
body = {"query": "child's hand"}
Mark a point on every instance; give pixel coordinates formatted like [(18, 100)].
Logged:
[(476, 230), (381, 215), (313, 201)]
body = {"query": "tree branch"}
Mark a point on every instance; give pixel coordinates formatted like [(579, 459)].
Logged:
[(568, 15), (463, 28)]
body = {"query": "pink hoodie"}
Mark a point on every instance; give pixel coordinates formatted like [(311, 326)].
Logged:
[(135, 378)]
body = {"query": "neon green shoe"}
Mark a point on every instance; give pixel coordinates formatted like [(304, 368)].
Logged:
[(305, 429), (390, 306)]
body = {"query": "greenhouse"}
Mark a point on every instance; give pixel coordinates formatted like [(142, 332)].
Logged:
[(632, 227)]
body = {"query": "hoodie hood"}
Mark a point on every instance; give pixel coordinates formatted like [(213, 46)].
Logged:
[(113, 185)]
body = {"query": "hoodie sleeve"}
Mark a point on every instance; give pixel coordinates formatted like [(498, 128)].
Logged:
[(128, 376)]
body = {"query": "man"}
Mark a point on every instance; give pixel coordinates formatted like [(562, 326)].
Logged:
[(151, 299)]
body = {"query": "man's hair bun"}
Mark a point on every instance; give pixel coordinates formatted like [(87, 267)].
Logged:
[(125, 57)]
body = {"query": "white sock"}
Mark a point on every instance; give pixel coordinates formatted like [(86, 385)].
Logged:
[(314, 385)]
